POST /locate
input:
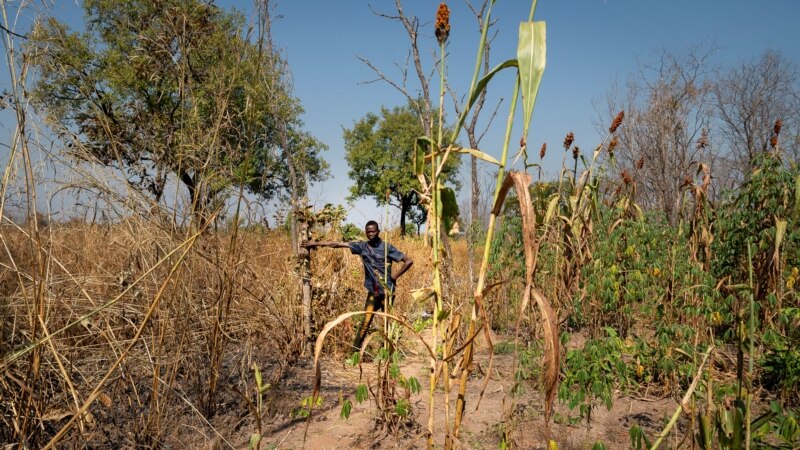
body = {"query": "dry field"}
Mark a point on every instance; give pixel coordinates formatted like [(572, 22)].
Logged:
[(159, 347)]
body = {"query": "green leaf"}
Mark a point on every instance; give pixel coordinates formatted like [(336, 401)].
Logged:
[(402, 407), (394, 371), (422, 145), (382, 354), (551, 208), (479, 154), (255, 438), (354, 359), (258, 376), (347, 406), (797, 197), (480, 87), (361, 393), (532, 56), (447, 208), (413, 385)]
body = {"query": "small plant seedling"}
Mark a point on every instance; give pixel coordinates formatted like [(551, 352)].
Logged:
[(305, 407)]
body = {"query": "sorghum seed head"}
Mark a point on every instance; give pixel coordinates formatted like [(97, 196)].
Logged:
[(626, 177), (613, 144), (568, 140), (442, 23), (640, 163), (543, 150), (576, 151), (773, 141), (778, 126), (617, 122), (702, 142)]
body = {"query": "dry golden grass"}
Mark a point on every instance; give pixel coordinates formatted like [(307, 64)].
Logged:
[(225, 307)]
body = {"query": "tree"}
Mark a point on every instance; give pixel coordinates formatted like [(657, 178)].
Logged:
[(380, 153), (749, 99), (172, 88), (667, 119)]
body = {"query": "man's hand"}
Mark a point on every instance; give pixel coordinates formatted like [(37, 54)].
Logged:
[(407, 263)]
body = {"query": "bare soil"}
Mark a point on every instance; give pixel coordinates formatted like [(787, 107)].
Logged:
[(283, 427)]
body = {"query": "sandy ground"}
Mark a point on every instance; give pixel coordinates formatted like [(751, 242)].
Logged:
[(480, 430)]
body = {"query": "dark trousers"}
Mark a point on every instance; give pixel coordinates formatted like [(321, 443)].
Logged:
[(373, 303)]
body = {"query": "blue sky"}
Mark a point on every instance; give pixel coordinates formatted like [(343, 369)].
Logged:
[(590, 44)]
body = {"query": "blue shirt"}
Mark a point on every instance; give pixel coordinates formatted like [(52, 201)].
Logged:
[(377, 261)]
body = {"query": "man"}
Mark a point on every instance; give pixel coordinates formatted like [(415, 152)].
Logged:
[(377, 257)]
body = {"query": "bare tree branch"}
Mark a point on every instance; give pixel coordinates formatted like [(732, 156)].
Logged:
[(383, 77), (411, 26)]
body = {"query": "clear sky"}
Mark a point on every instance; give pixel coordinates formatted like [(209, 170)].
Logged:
[(590, 44)]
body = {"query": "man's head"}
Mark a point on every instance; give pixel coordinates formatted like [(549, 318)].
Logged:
[(372, 231)]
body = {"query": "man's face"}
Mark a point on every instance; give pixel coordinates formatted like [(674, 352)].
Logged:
[(372, 232)]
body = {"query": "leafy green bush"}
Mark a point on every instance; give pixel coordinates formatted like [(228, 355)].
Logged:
[(764, 212), (592, 373), (350, 232), (781, 361)]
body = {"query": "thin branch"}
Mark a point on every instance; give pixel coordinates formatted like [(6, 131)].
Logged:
[(12, 33), (382, 77)]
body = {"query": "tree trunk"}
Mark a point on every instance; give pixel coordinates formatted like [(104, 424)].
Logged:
[(199, 214), (403, 211), (305, 276), (299, 232)]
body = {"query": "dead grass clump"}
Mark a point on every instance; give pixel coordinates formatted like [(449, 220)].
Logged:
[(200, 324)]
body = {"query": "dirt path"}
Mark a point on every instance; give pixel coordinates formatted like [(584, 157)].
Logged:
[(481, 428)]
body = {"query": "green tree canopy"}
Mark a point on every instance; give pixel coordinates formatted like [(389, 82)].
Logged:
[(380, 153), (173, 88)]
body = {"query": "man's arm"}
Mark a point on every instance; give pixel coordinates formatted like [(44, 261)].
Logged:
[(332, 244), (407, 263)]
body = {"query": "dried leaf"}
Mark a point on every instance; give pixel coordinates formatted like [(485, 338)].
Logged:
[(551, 208), (551, 362), (105, 399), (552, 353), (422, 294)]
